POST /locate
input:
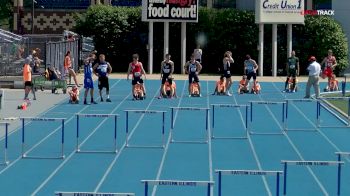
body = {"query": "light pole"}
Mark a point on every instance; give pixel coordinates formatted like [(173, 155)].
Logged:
[(33, 16)]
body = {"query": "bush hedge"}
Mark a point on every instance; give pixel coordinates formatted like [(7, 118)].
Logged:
[(119, 32)]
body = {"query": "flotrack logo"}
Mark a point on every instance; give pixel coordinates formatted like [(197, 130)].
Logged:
[(318, 12)]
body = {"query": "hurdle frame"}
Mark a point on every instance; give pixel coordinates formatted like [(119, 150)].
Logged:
[(78, 144), (301, 100), (321, 103), (207, 137), (5, 160), (311, 163), (339, 158), (222, 172), (127, 144), (235, 106), (283, 103), (147, 183), (24, 152), (62, 193)]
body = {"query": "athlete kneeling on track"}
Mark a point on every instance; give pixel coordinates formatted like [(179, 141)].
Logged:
[(195, 89), (220, 87), (256, 88), (169, 90), (138, 93), (242, 88), (74, 95), (292, 85)]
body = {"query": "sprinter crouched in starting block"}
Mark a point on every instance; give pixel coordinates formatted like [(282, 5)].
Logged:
[(220, 87), (139, 93)]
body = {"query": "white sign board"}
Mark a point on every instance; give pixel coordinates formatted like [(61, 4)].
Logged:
[(279, 11), (170, 10)]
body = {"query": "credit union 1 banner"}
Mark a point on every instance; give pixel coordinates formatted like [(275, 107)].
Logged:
[(279, 11), (170, 10)]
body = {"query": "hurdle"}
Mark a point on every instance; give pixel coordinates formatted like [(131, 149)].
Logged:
[(78, 144), (292, 101), (24, 152), (177, 183), (311, 163), (127, 144), (229, 106), (205, 140), (248, 172), (323, 100), (267, 103), (339, 158), (5, 161), (59, 193)]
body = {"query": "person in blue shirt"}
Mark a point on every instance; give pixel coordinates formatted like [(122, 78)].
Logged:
[(88, 82), (250, 68), (102, 70)]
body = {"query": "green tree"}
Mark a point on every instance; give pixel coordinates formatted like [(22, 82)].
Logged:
[(5, 12)]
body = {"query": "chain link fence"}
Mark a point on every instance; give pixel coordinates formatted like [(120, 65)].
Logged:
[(50, 49)]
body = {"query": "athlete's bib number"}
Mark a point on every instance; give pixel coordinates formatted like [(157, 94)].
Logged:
[(193, 69), (292, 66), (137, 74), (228, 72), (166, 70)]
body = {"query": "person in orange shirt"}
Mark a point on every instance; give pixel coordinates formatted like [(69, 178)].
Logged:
[(74, 95), (170, 89), (68, 68), (257, 88), (220, 87), (139, 93), (333, 85), (242, 88), (27, 79)]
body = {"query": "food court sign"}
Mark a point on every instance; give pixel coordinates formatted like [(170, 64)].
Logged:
[(279, 11), (170, 10)]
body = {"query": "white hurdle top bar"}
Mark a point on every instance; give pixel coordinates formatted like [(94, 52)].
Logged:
[(301, 100), (188, 108), (41, 119), (268, 102), (248, 172), (177, 183), (228, 105), (315, 163), (96, 115), (146, 111), (92, 194)]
